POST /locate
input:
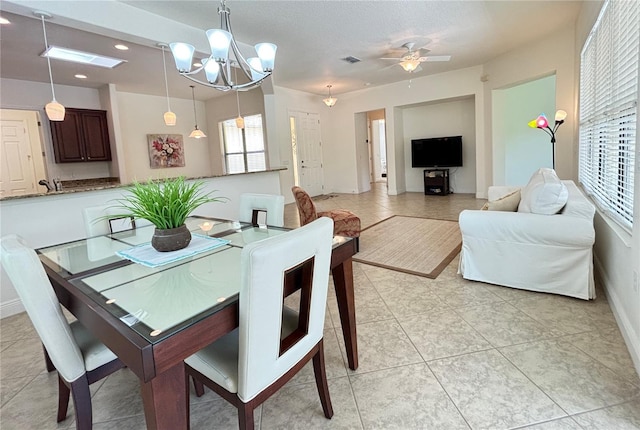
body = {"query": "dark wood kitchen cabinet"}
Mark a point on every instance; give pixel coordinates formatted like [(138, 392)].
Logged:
[(82, 136)]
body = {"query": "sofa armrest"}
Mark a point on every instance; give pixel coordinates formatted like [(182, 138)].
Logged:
[(526, 228), (498, 191)]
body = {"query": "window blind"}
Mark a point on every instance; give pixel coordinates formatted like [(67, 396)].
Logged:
[(608, 109), (244, 150)]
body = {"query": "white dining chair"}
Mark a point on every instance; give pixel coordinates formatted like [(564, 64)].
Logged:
[(272, 342), (79, 358), (252, 204), (106, 219)]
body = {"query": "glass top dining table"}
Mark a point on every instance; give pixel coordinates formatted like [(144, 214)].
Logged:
[(154, 317)]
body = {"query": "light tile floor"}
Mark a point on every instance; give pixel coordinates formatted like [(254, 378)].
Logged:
[(434, 354)]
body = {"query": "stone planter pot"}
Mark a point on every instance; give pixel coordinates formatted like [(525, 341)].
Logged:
[(172, 239)]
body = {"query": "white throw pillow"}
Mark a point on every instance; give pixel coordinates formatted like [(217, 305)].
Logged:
[(545, 194)]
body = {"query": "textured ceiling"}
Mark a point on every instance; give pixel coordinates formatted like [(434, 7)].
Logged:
[(312, 38)]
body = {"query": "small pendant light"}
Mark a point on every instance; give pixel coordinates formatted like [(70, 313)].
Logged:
[(330, 101), (239, 119), (55, 111), (169, 117), (196, 133)]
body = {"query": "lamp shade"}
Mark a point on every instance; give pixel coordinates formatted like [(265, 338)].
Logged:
[(219, 41), (561, 115), (169, 118), (240, 122), (183, 55), (256, 68), (330, 101), (197, 133), (267, 54), (54, 110), (211, 70), (542, 121)]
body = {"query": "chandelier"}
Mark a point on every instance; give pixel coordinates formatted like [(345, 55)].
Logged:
[(225, 55)]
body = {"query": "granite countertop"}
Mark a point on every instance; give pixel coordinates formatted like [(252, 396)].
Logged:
[(81, 185)]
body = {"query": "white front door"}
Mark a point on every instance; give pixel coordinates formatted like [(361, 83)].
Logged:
[(307, 151), (20, 154)]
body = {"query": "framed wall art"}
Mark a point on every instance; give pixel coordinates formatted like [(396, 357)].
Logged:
[(165, 150)]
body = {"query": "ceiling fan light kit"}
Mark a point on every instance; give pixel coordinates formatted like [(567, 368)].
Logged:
[(410, 61), (225, 54)]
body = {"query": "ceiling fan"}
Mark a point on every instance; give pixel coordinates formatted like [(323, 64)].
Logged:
[(410, 60)]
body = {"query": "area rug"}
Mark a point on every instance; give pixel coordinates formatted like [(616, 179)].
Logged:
[(420, 246)]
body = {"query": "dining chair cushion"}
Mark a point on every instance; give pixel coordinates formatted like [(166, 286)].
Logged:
[(94, 352), (272, 204), (219, 361)]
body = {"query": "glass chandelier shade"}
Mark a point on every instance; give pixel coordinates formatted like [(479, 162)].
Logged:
[(169, 117), (330, 101), (225, 54), (196, 133), (55, 111)]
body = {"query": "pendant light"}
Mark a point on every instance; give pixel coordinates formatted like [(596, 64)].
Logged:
[(169, 117), (330, 101), (239, 119), (197, 133), (55, 111)]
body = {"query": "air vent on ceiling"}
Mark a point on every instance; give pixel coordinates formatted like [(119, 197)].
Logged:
[(351, 59)]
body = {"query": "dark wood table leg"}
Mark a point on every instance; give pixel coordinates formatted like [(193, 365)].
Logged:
[(166, 401), (343, 282)]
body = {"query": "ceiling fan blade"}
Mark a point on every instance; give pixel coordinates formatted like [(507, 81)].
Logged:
[(394, 59), (422, 51), (438, 58)]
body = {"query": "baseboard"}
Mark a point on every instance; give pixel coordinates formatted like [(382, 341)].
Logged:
[(621, 318), (11, 307)]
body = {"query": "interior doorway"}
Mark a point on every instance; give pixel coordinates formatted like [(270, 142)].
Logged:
[(377, 146), (21, 154)]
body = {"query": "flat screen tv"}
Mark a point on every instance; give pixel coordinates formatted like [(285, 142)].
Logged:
[(437, 152)]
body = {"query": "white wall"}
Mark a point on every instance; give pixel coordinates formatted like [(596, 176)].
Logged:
[(57, 218), (140, 115), (519, 150), (26, 95), (555, 54), (446, 118), (616, 252)]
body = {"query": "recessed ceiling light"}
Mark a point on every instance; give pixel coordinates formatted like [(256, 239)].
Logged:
[(121, 47), (74, 56), (4, 20), (79, 76)]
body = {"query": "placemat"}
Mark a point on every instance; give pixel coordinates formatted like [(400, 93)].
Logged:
[(146, 255)]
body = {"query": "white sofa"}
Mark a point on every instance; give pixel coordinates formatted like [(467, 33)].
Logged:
[(531, 251)]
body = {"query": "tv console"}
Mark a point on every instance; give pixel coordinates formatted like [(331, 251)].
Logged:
[(436, 182)]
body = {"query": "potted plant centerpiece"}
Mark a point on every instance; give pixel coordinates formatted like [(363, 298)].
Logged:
[(166, 204)]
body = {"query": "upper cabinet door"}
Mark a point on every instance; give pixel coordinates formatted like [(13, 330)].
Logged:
[(82, 136), (96, 136), (67, 138)]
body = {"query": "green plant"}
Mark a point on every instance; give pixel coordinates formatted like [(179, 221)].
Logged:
[(166, 204)]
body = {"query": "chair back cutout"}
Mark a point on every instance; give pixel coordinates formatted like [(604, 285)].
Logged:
[(251, 204)]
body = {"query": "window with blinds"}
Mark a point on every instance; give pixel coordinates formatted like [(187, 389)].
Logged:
[(244, 148), (608, 109)]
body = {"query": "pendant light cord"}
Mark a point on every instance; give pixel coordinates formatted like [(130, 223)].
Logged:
[(237, 92), (166, 85), (193, 97), (46, 46)]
